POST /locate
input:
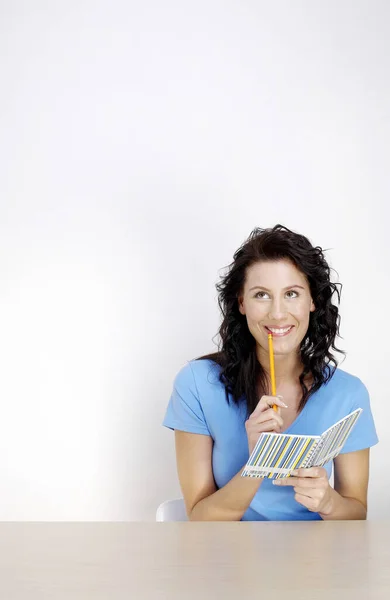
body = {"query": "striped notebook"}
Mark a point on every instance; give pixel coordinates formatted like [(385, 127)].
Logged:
[(277, 454)]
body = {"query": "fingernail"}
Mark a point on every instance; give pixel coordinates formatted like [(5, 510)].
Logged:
[(275, 482), (294, 473)]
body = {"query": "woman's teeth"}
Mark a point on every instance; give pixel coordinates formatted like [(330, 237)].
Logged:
[(277, 331)]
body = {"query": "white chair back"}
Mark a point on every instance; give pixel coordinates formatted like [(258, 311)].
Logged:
[(172, 510)]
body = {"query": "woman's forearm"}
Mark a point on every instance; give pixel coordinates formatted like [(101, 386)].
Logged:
[(342, 508), (229, 503)]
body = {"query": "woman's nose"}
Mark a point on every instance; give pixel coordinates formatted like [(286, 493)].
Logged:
[(278, 310)]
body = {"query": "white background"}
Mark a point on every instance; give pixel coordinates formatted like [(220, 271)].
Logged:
[(140, 144)]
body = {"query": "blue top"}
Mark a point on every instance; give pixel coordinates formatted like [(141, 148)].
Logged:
[(198, 405)]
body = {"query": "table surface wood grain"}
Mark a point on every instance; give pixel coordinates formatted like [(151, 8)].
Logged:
[(347, 560)]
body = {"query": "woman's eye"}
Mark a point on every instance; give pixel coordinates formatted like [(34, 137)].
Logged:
[(289, 294)]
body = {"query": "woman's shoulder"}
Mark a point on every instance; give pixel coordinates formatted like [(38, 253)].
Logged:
[(199, 372), (345, 380), (347, 393), (346, 390)]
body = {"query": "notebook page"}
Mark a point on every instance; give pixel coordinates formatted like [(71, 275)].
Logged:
[(277, 454), (334, 438)]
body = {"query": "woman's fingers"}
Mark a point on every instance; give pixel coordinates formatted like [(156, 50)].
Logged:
[(268, 415), (269, 421), (267, 402), (255, 429), (270, 425), (264, 419)]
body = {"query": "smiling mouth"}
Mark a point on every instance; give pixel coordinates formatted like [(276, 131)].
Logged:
[(279, 331)]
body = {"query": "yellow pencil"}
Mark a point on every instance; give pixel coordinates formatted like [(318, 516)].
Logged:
[(272, 368)]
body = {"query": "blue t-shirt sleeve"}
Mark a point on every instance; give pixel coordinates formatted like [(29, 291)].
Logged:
[(184, 410), (363, 435)]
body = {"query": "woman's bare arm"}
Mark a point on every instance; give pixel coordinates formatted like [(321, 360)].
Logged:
[(351, 473), (194, 465), (202, 499)]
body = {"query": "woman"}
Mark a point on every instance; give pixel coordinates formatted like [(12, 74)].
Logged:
[(221, 403)]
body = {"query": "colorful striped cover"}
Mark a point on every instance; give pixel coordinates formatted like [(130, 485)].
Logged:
[(277, 454)]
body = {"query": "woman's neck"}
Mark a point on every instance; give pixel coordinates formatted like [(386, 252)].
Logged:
[(287, 367)]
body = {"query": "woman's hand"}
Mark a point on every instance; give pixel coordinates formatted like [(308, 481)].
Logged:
[(264, 419), (312, 489)]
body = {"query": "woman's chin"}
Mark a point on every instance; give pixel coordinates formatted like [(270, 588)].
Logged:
[(280, 349)]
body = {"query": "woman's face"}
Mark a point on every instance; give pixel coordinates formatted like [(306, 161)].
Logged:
[(276, 299)]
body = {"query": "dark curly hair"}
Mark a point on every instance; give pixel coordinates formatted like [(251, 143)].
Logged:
[(241, 373)]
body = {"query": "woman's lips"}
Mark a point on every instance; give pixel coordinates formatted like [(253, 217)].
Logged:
[(280, 331)]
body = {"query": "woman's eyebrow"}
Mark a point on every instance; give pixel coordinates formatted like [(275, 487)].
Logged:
[(261, 287)]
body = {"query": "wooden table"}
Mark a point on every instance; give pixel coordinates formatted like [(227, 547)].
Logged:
[(345, 560)]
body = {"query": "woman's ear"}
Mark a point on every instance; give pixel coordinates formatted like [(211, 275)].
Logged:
[(312, 306), (241, 306)]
